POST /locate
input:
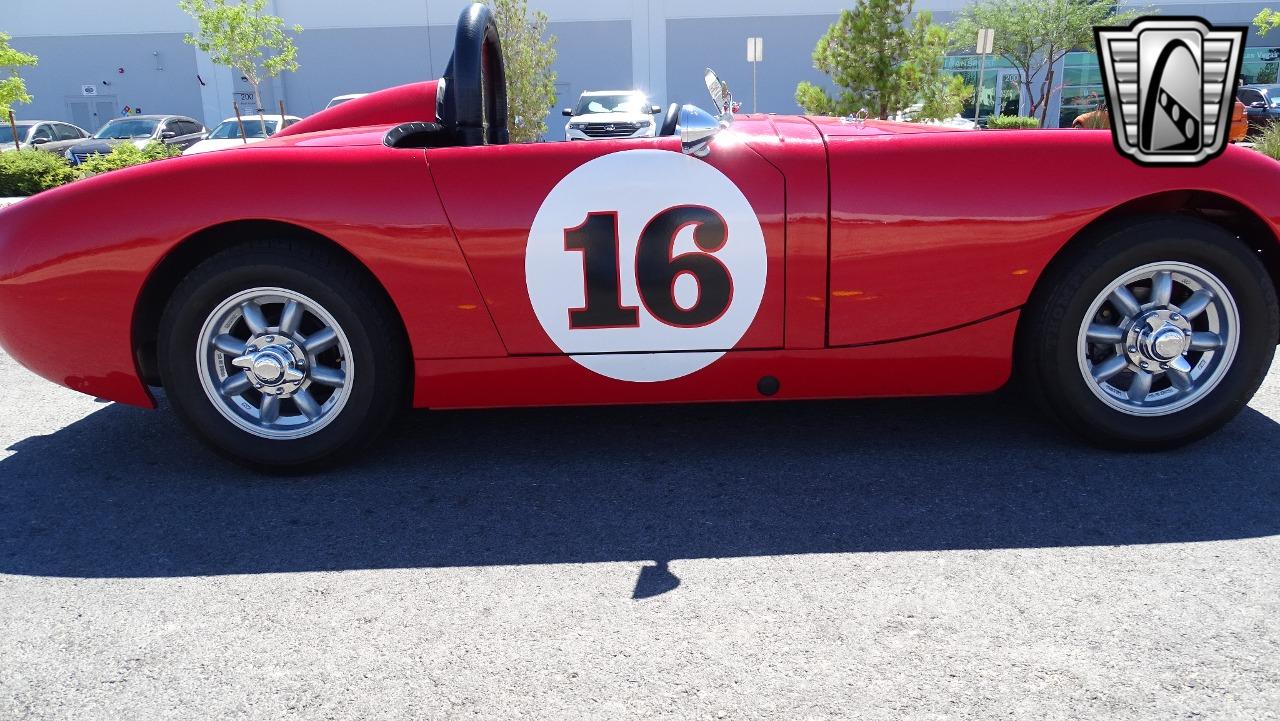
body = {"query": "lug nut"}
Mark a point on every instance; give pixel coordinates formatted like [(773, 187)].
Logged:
[(1133, 349)]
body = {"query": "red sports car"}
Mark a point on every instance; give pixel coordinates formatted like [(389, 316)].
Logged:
[(398, 251)]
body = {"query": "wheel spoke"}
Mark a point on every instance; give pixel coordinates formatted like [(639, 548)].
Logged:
[(1141, 386), (1124, 302), (1109, 368), (1161, 288), (1206, 341), (1180, 373), (1196, 304), (254, 318), (269, 409), (320, 341), (307, 404), (290, 317), (328, 376), (229, 344), (1099, 333), (235, 385)]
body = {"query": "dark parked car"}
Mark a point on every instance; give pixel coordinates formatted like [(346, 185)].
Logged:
[(50, 135), (1261, 104), (176, 130)]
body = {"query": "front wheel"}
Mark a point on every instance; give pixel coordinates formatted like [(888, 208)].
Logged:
[(1150, 336), (281, 356)]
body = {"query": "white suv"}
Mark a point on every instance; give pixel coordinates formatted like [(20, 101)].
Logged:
[(611, 114)]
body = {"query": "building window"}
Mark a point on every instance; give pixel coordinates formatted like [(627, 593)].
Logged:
[(1081, 87), (1261, 66), (999, 79)]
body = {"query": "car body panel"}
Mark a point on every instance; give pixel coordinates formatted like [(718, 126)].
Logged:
[(880, 279), (494, 239), (918, 253), (977, 359)]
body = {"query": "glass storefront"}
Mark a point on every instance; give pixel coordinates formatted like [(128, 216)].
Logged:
[(1081, 87), (1260, 66), (999, 81), (1080, 83)]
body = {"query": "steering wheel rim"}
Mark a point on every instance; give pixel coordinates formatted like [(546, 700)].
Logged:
[(670, 121), (473, 92)]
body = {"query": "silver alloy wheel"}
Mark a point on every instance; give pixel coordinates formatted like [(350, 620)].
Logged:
[(275, 363), (1158, 339)]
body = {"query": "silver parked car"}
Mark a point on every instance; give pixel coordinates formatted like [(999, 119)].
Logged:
[(50, 135), (176, 130)]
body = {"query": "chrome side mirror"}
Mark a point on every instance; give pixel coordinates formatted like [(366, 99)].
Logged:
[(720, 95), (697, 126)]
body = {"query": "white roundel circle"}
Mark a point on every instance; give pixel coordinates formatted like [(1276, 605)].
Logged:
[(637, 187)]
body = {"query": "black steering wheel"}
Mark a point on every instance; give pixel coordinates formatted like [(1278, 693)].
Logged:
[(670, 121), (472, 96)]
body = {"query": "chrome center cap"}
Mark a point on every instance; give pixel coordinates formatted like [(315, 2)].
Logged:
[(269, 365), (1158, 336), (276, 365), (1167, 343)]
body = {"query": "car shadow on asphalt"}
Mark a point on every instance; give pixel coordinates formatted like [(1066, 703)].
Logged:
[(126, 493)]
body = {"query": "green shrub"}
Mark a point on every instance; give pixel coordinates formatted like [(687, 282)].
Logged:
[(1268, 143), (126, 155), (27, 172), (1011, 122)]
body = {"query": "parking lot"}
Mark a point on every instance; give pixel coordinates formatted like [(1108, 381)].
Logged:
[(948, 558)]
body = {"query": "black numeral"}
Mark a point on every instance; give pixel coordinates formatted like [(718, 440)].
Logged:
[(656, 269), (597, 238)]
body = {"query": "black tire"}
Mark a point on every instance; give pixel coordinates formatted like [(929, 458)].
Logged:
[(1049, 339), (345, 291)]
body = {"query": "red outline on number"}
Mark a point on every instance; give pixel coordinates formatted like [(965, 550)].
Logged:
[(671, 246), (617, 246)]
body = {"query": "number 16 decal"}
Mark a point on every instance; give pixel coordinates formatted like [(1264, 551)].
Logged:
[(656, 270), (645, 265)]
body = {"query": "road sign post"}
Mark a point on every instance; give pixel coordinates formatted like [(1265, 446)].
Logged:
[(755, 54), (986, 39)]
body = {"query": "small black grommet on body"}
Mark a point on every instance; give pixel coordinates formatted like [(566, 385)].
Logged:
[(768, 385)]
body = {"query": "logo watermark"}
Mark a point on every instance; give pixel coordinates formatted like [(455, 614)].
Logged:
[(1170, 85)]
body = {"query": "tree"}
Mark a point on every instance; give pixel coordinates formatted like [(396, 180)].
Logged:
[(243, 37), (12, 89), (1267, 20), (880, 62), (528, 53), (1033, 35)]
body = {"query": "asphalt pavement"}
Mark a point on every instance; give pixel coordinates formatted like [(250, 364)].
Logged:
[(917, 559)]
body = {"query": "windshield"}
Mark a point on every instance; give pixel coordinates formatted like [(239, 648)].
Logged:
[(230, 130), (126, 129), (6, 133), (622, 103)]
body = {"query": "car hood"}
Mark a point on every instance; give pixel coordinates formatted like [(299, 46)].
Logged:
[(205, 146)]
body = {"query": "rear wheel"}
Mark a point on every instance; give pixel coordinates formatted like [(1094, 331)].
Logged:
[(1151, 335), (282, 355)]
